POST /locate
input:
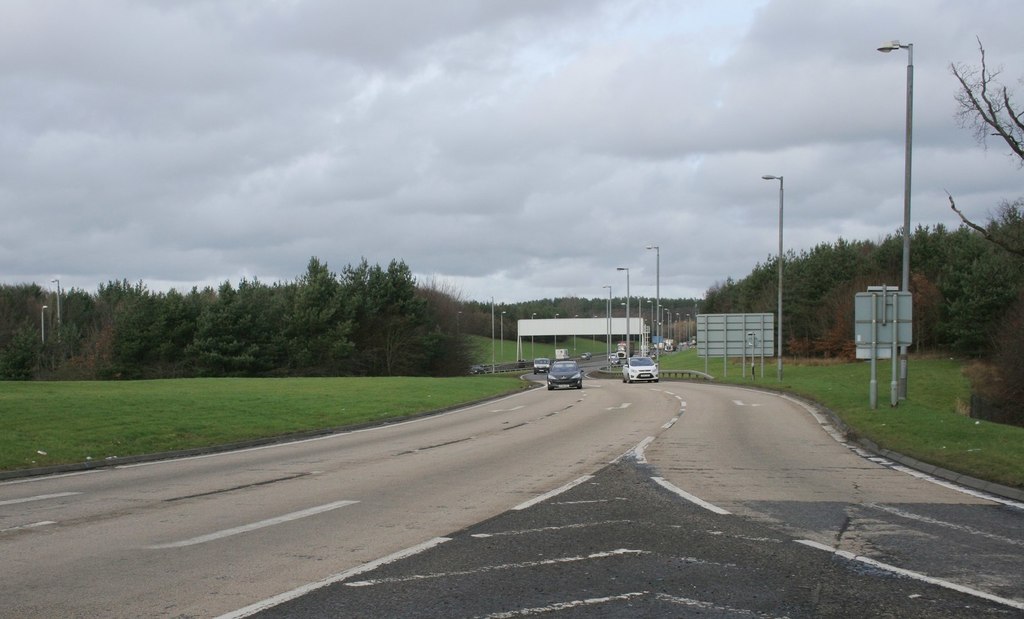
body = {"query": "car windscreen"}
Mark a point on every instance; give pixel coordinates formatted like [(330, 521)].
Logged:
[(641, 361), (542, 360), (564, 366)]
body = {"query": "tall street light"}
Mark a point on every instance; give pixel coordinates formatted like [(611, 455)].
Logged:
[(533, 352), (892, 46), (501, 320), (608, 325), (628, 343), (657, 285), (778, 350), (42, 322)]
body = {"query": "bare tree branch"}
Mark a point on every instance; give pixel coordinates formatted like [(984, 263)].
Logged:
[(987, 106), (1017, 251)]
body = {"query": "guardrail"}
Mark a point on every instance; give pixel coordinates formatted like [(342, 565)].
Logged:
[(686, 374)]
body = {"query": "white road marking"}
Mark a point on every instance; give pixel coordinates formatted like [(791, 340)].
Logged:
[(39, 497), (507, 410), (299, 592), (959, 527), (620, 406), (29, 526), (741, 403), (582, 525), (670, 423), (543, 610), (555, 492), (689, 497), (914, 575), (254, 526), (494, 568), (638, 451), (39, 478)]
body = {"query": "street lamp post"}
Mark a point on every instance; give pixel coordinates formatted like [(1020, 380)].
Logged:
[(608, 325), (892, 46), (628, 343), (778, 350), (533, 352), (501, 321), (556, 335), (657, 285), (42, 322)]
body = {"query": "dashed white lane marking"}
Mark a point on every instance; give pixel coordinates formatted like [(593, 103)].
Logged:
[(619, 407), (507, 410), (312, 511), (555, 492), (959, 527), (504, 566), (915, 575), (671, 422), (366, 567), (39, 497), (689, 497), (34, 525)]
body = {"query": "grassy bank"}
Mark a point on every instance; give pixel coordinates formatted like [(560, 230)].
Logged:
[(931, 425), (48, 423)]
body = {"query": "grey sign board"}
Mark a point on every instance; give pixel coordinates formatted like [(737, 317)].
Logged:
[(736, 335), (883, 316)]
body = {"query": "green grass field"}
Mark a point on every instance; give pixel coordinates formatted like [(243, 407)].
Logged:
[(48, 423)]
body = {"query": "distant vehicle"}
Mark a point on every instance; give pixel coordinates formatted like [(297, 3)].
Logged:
[(541, 365), (565, 373), (640, 368), (586, 356), (477, 369), (561, 353), (614, 359)]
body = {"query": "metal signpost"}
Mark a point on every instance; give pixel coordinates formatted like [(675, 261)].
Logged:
[(883, 322), (736, 335)]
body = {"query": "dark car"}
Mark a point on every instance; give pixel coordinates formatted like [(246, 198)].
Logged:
[(477, 369), (565, 373)]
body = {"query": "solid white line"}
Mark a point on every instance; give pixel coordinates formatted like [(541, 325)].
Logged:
[(38, 478), (555, 492), (914, 575), (254, 526), (40, 497), (942, 523), (689, 497), (366, 567)]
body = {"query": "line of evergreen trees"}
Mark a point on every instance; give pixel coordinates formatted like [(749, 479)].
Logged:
[(367, 321)]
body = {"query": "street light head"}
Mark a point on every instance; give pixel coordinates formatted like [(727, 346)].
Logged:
[(770, 177), (653, 247), (891, 46), (621, 268)]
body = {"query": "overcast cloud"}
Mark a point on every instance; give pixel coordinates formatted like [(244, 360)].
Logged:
[(514, 149)]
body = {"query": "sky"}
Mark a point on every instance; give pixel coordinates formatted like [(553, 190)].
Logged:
[(503, 149)]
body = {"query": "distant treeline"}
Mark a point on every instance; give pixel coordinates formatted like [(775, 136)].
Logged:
[(965, 290), (366, 321)]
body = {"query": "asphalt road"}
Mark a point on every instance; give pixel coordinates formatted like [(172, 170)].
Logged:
[(717, 501)]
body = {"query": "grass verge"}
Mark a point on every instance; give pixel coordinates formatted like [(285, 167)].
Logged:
[(50, 423)]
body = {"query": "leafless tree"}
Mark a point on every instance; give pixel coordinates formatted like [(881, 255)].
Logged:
[(988, 108)]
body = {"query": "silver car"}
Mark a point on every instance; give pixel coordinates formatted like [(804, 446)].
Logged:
[(639, 368)]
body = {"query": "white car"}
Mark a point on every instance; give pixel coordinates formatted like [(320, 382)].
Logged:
[(639, 368)]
